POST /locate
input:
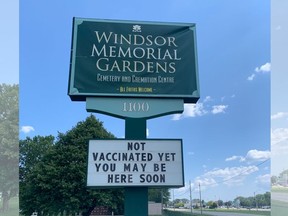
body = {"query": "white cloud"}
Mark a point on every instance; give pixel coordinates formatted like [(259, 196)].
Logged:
[(230, 176), (147, 132), (191, 110), (190, 153), (27, 129), (257, 156), (205, 182), (263, 179), (251, 156), (219, 109), (231, 172), (207, 99), (263, 68), (279, 141), (279, 27), (279, 115), (250, 78), (240, 158), (200, 109)]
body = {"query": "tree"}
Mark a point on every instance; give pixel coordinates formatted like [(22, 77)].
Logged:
[(274, 180), (220, 202), (8, 143), (57, 184), (32, 151), (228, 204), (159, 195)]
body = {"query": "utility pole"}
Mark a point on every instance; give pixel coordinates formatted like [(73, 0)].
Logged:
[(200, 198), (173, 201), (191, 203)]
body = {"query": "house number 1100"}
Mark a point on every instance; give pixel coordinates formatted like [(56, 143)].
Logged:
[(135, 107)]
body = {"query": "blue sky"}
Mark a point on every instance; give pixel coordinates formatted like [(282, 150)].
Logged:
[(279, 105), (226, 135), (9, 42)]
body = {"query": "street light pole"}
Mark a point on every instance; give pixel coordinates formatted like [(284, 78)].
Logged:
[(200, 198)]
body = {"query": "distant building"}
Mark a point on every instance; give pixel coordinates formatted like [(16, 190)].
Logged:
[(283, 180)]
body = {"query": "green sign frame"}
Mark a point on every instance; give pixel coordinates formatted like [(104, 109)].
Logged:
[(112, 58)]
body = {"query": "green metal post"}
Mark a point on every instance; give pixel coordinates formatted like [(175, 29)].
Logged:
[(136, 198)]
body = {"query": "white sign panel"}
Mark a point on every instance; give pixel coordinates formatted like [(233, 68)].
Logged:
[(121, 163)]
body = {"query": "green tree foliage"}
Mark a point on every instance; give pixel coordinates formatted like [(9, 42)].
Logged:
[(32, 151), (258, 200), (212, 205), (159, 195), (8, 142), (56, 183)]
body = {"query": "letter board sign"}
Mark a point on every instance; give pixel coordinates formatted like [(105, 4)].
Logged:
[(122, 163)]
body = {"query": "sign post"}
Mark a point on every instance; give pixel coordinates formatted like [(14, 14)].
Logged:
[(134, 71), (136, 198)]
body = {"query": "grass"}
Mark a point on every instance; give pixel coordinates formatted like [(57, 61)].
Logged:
[(181, 213), (279, 208), (178, 213), (259, 212), (13, 207), (279, 189)]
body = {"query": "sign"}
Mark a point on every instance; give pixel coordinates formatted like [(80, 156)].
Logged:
[(133, 59), (134, 107), (123, 163)]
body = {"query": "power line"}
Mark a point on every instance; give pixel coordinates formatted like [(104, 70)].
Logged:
[(219, 182)]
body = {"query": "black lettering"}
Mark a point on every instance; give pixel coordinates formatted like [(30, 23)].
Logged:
[(173, 156), (102, 157), (130, 178), (107, 156), (127, 167), (95, 155), (142, 178), (117, 177), (163, 167), (130, 146), (160, 156), (162, 178), (143, 167), (120, 178), (123, 178), (110, 178), (135, 168), (152, 178), (105, 167), (135, 146), (97, 167)]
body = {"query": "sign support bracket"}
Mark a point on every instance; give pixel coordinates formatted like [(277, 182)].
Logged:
[(136, 198)]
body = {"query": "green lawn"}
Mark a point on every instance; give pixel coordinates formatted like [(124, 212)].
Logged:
[(279, 208), (259, 212), (13, 207), (177, 213), (279, 189)]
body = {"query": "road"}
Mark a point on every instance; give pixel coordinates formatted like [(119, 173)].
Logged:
[(225, 213), (279, 196), (219, 213)]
